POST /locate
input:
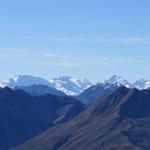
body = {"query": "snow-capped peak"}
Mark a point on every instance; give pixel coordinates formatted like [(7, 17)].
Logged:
[(26, 80), (118, 80), (70, 85), (115, 78), (3, 84), (142, 84)]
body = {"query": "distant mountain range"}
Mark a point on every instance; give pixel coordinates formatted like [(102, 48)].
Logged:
[(72, 86), (100, 90), (68, 85), (119, 121)]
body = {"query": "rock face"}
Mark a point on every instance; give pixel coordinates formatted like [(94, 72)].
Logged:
[(120, 121), (23, 116)]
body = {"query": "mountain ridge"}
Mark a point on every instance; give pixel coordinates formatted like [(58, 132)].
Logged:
[(69, 85), (105, 126)]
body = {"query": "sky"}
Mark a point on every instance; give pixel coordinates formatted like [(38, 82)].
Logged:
[(91, 39)]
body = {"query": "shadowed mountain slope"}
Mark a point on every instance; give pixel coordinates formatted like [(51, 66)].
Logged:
[(23, 116), (120, 121), (96, 92)]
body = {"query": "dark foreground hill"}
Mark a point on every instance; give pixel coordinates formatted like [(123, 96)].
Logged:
[(23, 116), (120, 121)]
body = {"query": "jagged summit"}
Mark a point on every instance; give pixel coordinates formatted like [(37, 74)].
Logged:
[(142, 84), (70, 85), (118, 80)]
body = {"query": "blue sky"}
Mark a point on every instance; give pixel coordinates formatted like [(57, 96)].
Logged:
[(81, 38)]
